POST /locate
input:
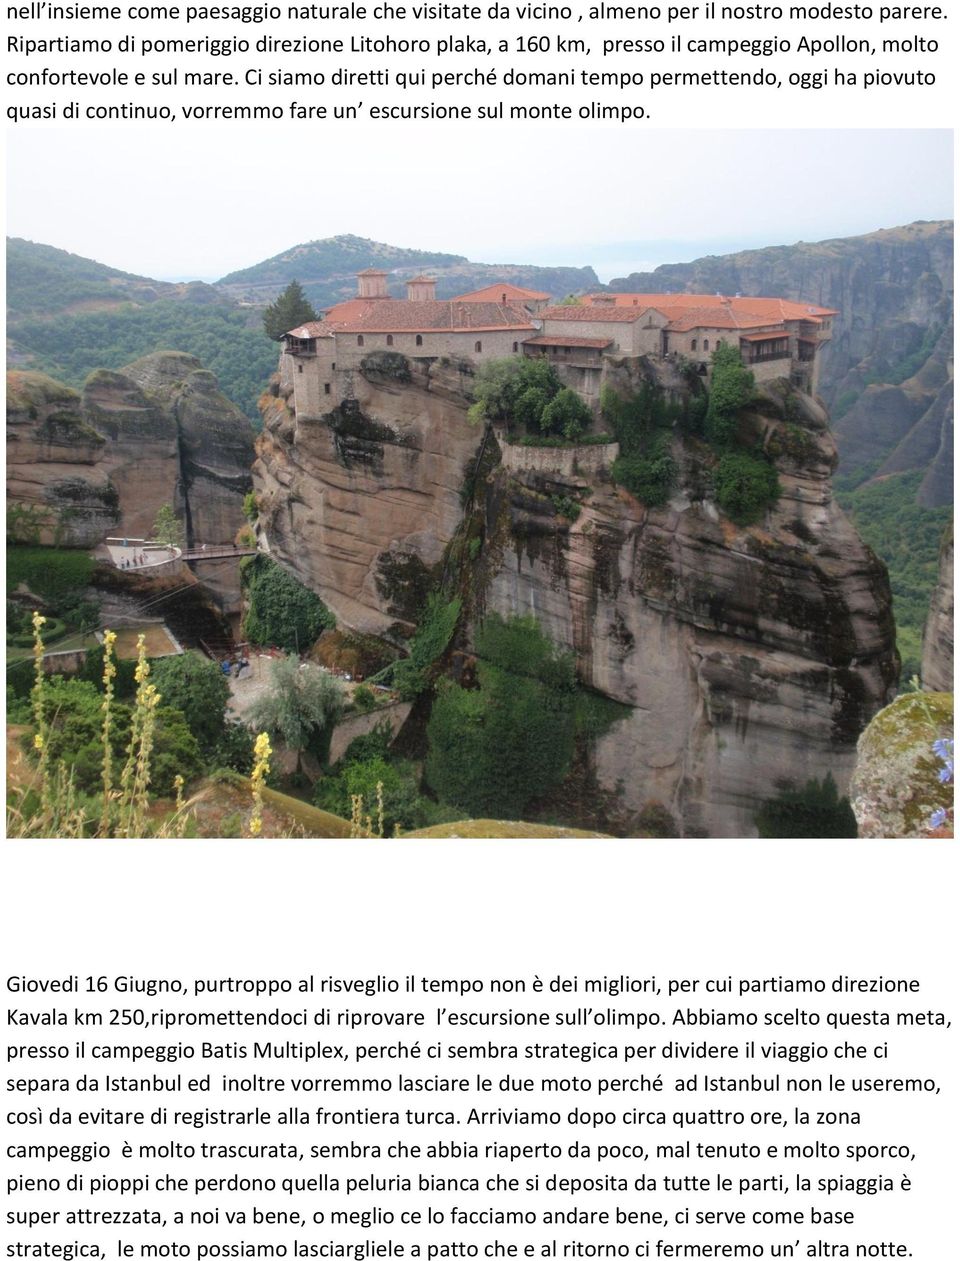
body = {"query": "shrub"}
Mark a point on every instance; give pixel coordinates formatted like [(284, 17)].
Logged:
[(731, 388), (124, 679), (364, 699), (745, 486), (493, 749), (251, 509), (815, 810), (55, 574), (648, 475), (374, 779), (282, 611), (634, 417), (53, 630), (429, 643)]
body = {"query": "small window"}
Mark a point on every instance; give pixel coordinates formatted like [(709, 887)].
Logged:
[(419, 340), (478, 347), (706, 343), (693, 344), (326, 387), (360, 340), (389, 339), (503, 298), (516, 347), (333, 367), (566, 350), (299, 367)]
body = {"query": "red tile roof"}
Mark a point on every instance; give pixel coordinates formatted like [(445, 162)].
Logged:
[(720, 315), (313, 328), (595, 343), (778, 308), (593, 314), (492, 293), (780, 335), (396, 315), (372, 271)]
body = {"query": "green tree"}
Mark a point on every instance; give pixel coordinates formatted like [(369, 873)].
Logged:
[(301, 707), (731, 388), (494, 748), (282, 611), (500, 383), (745, 485), (566, 415), (289, 311), (199, 689), (649, 475), (74, 737), (813, 811), (166, 527)]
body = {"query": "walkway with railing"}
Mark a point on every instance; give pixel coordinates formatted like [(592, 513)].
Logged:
[(141, 554)]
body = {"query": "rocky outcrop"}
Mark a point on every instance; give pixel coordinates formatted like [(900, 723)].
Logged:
[(936, 669), (81, 467), (896, 787), (750, 658), (361, 504), (58, 490), (887, 372)]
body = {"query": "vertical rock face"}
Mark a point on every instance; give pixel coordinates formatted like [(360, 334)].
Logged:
[(159, 432), (936, 669), (361, 504), (750, 658)]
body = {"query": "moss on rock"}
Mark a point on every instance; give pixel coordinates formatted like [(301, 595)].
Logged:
[(896, 787)]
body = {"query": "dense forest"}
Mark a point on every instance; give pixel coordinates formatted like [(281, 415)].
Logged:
[(70, 348)]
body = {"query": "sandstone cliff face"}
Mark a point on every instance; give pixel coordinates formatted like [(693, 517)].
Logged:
[(937, 665), (159, 432), (894, 292), (361, 504), (749, 658)]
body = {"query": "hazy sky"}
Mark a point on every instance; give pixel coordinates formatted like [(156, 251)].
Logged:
[(177, 204)]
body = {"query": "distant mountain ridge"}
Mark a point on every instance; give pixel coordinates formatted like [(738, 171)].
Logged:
[(327, 271)]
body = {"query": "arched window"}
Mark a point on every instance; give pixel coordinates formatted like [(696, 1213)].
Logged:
[(503, 298), (478, 347), (419, 340), (706, 343), (389, 339), (693, 344), (516, 347), (360, 339)]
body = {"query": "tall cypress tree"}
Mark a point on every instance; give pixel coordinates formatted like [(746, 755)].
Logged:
[(289, 310)]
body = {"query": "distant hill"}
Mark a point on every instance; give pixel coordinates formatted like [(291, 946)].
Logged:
[(327, 271), (320, 261), (42, 280), (888, 371)]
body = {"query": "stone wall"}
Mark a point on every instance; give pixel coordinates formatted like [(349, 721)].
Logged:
[(354, 725), (586, 459)]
